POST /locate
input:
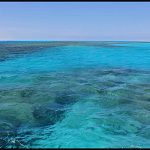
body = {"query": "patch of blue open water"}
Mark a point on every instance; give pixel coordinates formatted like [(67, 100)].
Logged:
[(77, 96), (69, 57)]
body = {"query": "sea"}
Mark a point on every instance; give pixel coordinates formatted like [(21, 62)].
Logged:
[(74, 94)]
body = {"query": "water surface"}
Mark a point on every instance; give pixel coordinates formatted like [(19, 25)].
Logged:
[(74, 94)]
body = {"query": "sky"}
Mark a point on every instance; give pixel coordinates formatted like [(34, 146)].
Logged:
[(81, 21)]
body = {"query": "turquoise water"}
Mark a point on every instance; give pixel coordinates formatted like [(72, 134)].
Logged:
[(75, 95)]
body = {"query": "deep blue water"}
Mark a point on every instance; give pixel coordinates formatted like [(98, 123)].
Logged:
[(75, 95)]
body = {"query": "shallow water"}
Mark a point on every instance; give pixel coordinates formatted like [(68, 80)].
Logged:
[(75, 94)]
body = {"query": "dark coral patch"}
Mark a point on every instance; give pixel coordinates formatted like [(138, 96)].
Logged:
[(48, 113), (25, 93), (65, 97)]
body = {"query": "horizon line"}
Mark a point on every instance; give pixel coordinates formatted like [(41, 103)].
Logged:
[(74, 41)]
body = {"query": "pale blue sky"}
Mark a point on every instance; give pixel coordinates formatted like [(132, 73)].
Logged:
[(75, 21)]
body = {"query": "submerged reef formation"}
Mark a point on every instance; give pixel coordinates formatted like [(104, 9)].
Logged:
[(101, 104), (13, 49)]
